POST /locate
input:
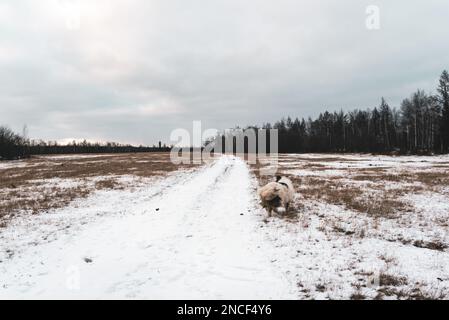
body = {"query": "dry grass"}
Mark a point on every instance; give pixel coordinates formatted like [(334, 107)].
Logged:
[(375, 197), (109, 183), (429, 179), (397, 287), (357, 296), (349, 190), (391, 280), (351, 204), (377, 202), (29, 189), (414, 293), (432, 245), (139, 164)]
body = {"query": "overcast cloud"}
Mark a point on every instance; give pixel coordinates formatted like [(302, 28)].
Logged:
[(132, 71)]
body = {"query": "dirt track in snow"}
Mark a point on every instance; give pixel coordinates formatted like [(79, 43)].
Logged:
[(194, 235)]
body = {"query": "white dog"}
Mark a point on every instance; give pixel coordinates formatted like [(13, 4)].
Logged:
[(277, 195)]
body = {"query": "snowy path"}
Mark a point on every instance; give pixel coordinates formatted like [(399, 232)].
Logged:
[(197, 238)]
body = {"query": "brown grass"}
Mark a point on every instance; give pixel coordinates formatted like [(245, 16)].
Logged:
[(357, 296), (139, 164), (415, 293), (373, 199), (393, 286), (430, 179), (26, 189), (110, 183), (390, 280), (432, 245), (382, 203), (44, 200)]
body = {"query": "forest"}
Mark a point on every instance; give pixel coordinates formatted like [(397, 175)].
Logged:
[(419, 126)]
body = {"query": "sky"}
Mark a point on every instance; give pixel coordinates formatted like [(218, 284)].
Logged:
[(132, 71)]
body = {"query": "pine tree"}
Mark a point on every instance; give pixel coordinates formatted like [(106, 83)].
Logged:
[(443, 90), (386, 124)]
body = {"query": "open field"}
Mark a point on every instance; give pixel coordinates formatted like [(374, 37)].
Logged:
[(359, 216), (48, 182), (137, 226)]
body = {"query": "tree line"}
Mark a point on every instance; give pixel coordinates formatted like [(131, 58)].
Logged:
[(419, 126), (15, 146), (42, 147)]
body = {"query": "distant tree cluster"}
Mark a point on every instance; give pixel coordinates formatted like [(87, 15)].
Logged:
[(419, 126), (12, 145), (42, 147), (15, 146)]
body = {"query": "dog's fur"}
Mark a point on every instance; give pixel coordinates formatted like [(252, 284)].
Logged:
[(277, 196)]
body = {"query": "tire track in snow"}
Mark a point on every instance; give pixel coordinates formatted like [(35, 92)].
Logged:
[(201, 243)]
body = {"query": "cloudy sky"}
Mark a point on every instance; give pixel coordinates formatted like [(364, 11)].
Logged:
[(134, 70)]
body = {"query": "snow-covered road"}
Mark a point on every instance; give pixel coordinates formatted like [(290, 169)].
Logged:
[(190, 236)]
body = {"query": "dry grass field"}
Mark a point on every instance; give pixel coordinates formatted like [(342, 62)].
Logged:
[(49, 182), (392, 211)]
